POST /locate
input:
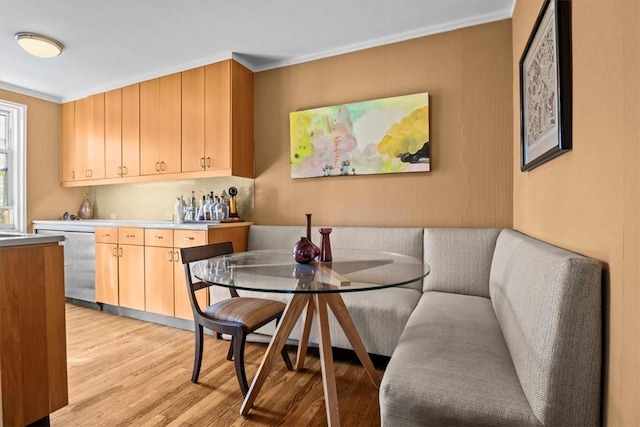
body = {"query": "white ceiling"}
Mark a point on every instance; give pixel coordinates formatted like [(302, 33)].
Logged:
[(110, 44)]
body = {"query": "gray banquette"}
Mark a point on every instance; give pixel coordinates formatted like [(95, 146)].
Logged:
[(505, 330)]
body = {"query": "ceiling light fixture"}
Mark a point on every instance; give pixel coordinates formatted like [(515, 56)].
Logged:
[(39, 45)]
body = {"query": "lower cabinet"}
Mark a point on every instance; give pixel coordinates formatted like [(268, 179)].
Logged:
[(141, 268), (119, 267), (158, 271), (182, 305)]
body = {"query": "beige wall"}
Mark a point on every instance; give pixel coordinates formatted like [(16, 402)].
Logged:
[(588, 200), (154, 200), (468, 76), (45, 198)]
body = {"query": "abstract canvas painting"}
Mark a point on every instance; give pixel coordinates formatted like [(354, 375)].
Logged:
[(389, 135)]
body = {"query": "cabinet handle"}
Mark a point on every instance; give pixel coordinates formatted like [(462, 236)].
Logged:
[(86, 173), (157, 166), (73, 174), (176, 258), (119, 170), (189, 238), (90, 173), (120, 252), (202, 162), (162, 166), (115, 251), (208, 162), (130, 235), (170, 256), (106, 235), (124, 170), (158, 237)]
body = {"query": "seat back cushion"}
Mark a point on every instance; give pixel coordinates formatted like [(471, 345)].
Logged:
[(548, 304), (460, 259), (405, 241)]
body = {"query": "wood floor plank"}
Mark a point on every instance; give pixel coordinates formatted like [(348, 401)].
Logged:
[(126, 372)]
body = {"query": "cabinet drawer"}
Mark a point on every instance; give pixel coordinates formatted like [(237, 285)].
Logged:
[(106, 235), (158, 237), (130, 236), (188, 238)]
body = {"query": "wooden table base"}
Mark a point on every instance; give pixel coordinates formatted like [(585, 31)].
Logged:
[(315, 304)]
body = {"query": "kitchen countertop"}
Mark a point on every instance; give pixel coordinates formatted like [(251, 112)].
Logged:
[(89, 225), (8, 239)]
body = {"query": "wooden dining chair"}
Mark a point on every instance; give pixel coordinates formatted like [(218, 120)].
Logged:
[(236, 316)]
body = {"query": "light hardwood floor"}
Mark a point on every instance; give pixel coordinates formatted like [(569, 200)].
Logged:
[(125, 372)]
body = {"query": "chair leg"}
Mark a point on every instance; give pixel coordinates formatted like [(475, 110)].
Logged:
[(230, 352), (238, 357), (197, 359)]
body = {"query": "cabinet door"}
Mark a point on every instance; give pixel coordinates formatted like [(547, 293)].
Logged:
[(67, 143), (242, 120), (150, 127), (170, 123), (236, 235), (81, 138), (131, 276), (158, 272), (218, 115), (95, 149), (131, 130), (185, 239), (193, 158), (107, 273), (113, 133)]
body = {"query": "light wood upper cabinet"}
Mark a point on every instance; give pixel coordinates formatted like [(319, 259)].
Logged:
[(122, 132), (218, 134), (131, 130), (113, 133), (89, 137), (149, 127), (217, 119), (241, 120), (193, 150), (67, 143), (161, 125), (198, 123)]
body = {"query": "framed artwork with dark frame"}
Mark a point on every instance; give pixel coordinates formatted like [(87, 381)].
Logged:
[(546, 87)]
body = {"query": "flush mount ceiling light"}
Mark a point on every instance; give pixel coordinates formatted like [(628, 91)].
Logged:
[(39, 45)]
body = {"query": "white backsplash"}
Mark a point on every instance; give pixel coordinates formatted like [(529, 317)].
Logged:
[(155, 200)]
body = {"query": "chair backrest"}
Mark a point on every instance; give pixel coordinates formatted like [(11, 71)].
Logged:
[(200, 253)]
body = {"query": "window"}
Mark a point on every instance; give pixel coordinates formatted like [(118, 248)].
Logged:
[(13, 166)]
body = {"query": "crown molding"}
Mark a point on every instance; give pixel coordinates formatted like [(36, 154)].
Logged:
[(408, 35), (29, 92)]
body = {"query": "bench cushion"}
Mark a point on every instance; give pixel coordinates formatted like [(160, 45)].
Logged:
[(460, 259), (548, 303), (452, 367)]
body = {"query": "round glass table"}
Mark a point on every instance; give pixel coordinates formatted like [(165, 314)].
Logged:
[(316, 286)]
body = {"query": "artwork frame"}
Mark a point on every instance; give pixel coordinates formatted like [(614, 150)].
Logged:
[(370, 137), (546, 87)]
